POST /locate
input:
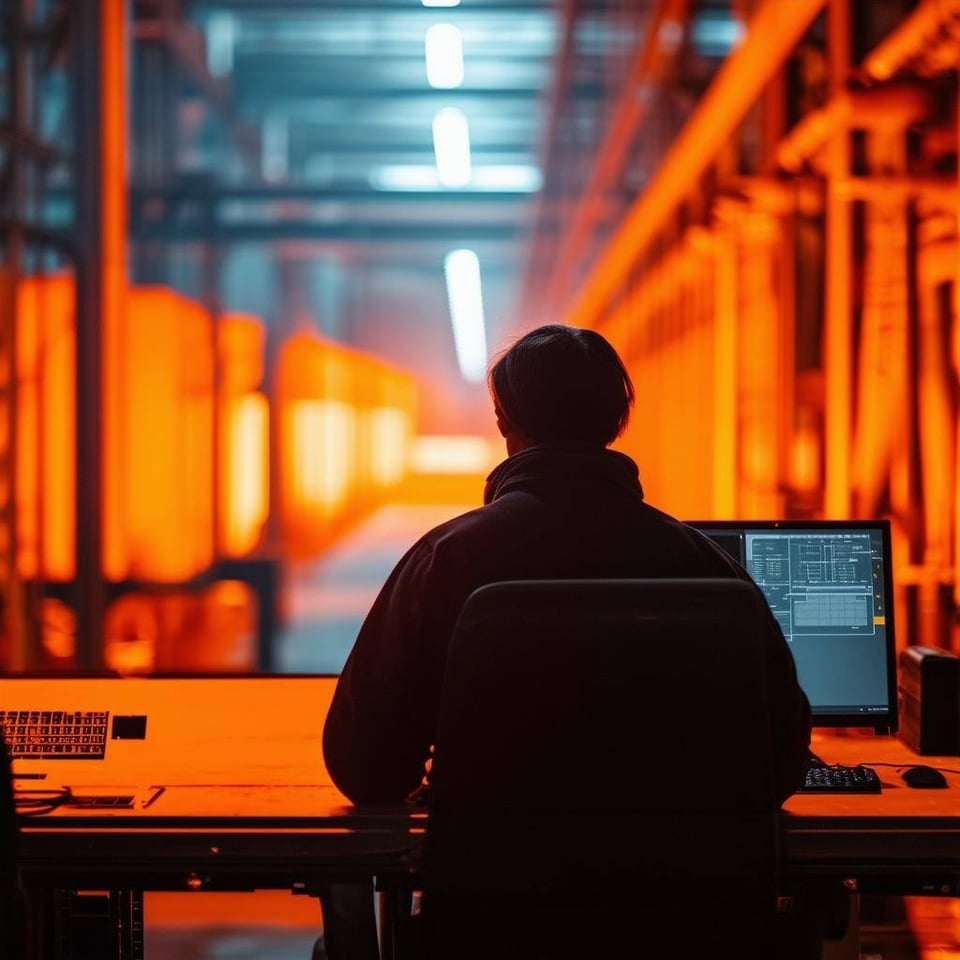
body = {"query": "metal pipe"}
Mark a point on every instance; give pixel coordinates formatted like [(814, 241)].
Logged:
[(887, 109), (101, 271), (922, 27), (772, 34), (23, 634), (837, 349), (646, 72)]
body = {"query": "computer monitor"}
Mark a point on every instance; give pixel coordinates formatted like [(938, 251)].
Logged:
[(830, 586)]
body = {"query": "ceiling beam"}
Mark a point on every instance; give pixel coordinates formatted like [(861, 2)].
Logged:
[(379, 231), (405, 8), (273, 86), (187, 48), (207, 193)]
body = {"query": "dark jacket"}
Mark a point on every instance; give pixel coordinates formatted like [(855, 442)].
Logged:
[(549, 513)]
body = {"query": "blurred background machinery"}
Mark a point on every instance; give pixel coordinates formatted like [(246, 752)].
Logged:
[(244, 243)]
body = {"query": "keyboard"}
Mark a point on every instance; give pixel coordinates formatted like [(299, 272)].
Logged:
[(55, 734), (836, 778)]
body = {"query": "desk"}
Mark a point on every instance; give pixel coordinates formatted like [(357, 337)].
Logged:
[(903, 840), (247, 803)]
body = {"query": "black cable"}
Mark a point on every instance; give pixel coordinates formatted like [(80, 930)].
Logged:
[(905, 766), (34, 803)]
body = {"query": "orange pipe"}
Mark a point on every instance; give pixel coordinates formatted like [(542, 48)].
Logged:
[(880, 110), (647, 71), (837, 327), (916, 31), (773, 31), (113, 156)]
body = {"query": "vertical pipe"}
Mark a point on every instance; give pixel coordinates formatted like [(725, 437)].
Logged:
[(937, 454), (211, 296), (22, 644), (955, 329), (725, 349), (100, 57), (837, 345)]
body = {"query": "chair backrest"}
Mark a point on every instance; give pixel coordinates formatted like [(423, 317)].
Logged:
[(604, 747)]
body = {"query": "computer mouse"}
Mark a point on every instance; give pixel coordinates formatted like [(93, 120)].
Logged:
[(923, 776)]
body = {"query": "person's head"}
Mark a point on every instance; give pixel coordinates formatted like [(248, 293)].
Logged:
[(560, 385)]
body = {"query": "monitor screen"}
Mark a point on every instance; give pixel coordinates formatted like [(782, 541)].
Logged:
[(829, 584)]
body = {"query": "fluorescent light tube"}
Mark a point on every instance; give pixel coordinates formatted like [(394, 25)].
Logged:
[(462, 269), (506, 178), (444, 51), (451, 144)]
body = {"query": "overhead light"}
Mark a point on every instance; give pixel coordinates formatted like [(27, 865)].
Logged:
[(405, 176), (504, 177), (440, 3), (221, 37), (451, 144), (444, 50), (275, 147), (717, 33), (462, 269), (509, 177)]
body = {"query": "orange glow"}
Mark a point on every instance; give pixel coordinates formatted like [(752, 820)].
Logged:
[(321, 434), (213, 629), (762, 382), (244, 450), (664, 332), (772, 33), (345, 421), (725, 379), (168, 434), (389, 439), (452, 454), (245, 477), (805, 458), (838, 319), (58, 629), (115, 315), (157, 452), (46, 444), (240, 344)]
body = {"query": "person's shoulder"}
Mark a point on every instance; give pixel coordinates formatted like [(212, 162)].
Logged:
[(695, 543), (457, 527)]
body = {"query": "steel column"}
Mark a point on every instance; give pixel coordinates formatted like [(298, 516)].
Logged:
[(100, 111)]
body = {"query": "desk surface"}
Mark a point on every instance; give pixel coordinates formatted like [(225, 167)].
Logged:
[(231, 793)]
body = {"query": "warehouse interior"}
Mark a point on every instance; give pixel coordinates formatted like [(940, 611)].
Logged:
[(256, 257)]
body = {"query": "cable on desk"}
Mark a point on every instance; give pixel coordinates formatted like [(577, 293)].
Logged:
[(35, 803), (905, 766)]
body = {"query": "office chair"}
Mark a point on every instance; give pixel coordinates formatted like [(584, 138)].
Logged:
[(602, 783)]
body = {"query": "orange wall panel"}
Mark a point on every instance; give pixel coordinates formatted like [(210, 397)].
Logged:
[(169, 435), (46, 411)]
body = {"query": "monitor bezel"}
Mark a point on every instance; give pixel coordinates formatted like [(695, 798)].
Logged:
[(882, 723)]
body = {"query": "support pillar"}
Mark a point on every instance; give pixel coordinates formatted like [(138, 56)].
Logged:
[(101, 184)]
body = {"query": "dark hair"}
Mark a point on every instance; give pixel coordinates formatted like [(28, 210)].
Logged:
[(561, 384)]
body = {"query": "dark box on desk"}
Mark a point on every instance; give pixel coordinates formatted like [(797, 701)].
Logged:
[(930, 700)]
